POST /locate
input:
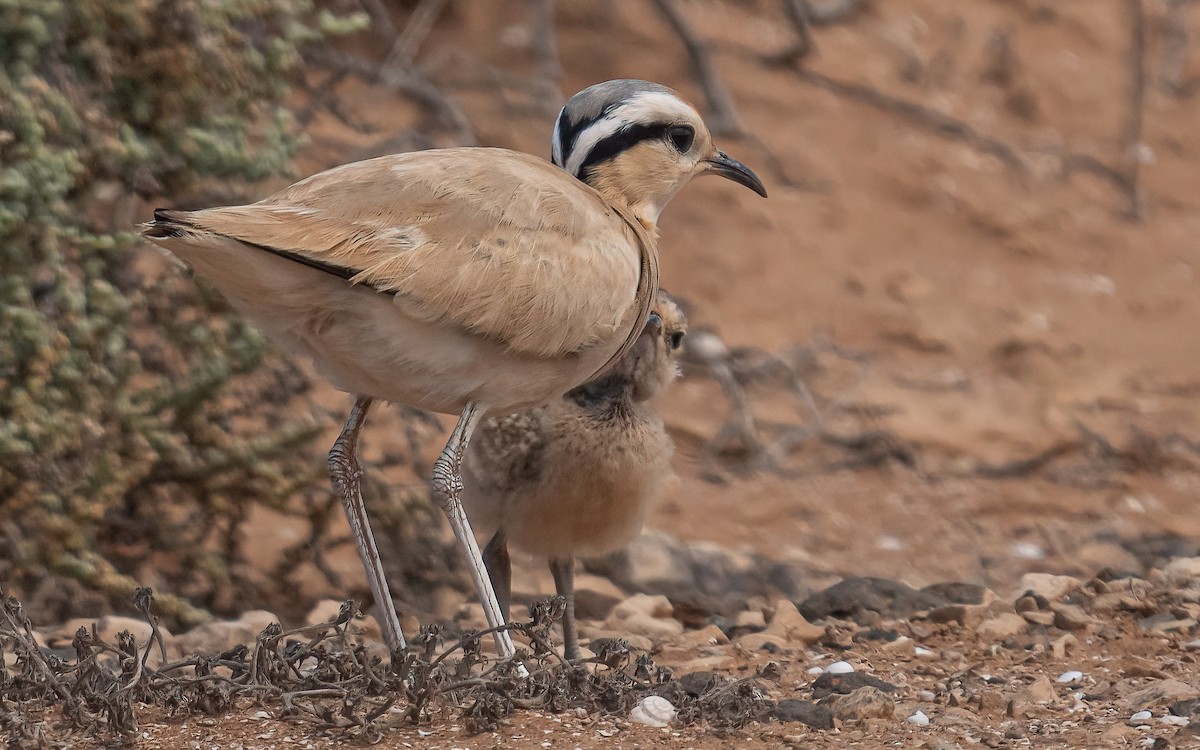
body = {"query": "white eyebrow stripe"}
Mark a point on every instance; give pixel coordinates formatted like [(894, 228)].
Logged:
[(556, 145), (643, 107)]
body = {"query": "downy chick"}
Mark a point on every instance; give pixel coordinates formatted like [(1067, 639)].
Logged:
[(576, 477)]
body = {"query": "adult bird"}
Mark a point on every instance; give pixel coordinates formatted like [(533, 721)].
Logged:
[(579, 475), (467, 281)]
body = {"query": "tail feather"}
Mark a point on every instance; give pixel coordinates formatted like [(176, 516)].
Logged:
[(166, 223)]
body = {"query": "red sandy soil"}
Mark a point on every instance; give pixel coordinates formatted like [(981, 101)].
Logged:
[(998, 312)]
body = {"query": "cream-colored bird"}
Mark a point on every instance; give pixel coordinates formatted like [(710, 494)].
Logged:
[(467, 281), (577, 476)]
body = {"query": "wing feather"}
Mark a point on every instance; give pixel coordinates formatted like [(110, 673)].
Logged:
[(501, 243)]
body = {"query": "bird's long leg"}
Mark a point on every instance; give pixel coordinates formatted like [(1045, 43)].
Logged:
[(345, 472), (499, 568), (563, 570), (447, 484)]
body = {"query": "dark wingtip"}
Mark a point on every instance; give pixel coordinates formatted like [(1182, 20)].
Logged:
[(166, 224)]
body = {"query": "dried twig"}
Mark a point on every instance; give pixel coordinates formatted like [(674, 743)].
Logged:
[(545, 51), (1131, 138), (408, 43), (940, 124), (723, 118), (406, 82)]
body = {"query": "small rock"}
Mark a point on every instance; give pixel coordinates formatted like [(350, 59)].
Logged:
[(1052, 587), (645, 615), (1033, 698), (1071, 617), (864, 598), (595, 596), (1181, 570), (653, 711), (1192, 645), (839, 667), (919, 718), (222, 635), (697, 684), (787, 628), (1159, 693), (1141, 717), (751, 619), (703, 638), (643, 604), (1001, 627), (1104, 556), (326, 610), (1062, 645), (1069, 677), (815, 670), (1174, 721), (845, 683), (1046, 619), (805, 712), (599, 638), (865, 703)]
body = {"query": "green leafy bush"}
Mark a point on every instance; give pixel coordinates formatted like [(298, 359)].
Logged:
[(121, 440)]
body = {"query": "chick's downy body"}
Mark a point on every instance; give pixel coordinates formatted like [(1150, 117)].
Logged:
[(577, 477)]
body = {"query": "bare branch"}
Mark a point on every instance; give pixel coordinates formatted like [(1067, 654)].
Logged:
[(723, 118), (420, 23), (1131, 140), (941, 124)]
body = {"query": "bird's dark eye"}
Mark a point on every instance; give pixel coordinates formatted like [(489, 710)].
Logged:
[(681, 137), (675, 339)]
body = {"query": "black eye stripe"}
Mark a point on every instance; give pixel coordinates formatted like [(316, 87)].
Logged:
[(618, 142), (568, 132)]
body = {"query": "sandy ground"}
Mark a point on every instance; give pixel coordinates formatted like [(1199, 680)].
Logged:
[(973, 313)]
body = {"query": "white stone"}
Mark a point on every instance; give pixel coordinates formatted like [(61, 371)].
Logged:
[(815, 670), (839, 667), (919, 718), (1072, 676), (653, 711), (924, 653), (1175, 721), (1141, 716)]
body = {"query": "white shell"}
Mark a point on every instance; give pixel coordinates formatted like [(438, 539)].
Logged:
[(919, 718), (839, 667), (653, 711)]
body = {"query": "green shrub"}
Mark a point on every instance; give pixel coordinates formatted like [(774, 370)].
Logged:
[(121, 441)]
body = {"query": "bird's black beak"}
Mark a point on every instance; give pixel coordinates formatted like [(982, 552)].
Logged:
[(728, 167)]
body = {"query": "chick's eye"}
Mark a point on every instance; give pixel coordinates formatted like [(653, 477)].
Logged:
[(675, 339), (681, 137)]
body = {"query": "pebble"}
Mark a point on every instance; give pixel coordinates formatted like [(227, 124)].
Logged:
[(927, 695), (1160, 693), (924, 653), (1050, 586), (839, 667), (919, 718), (1141, 717), (653, 711), (809, 714), (1175, 721), (815, 670), (1192, 645), (1002, 626), (1072, 676)]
